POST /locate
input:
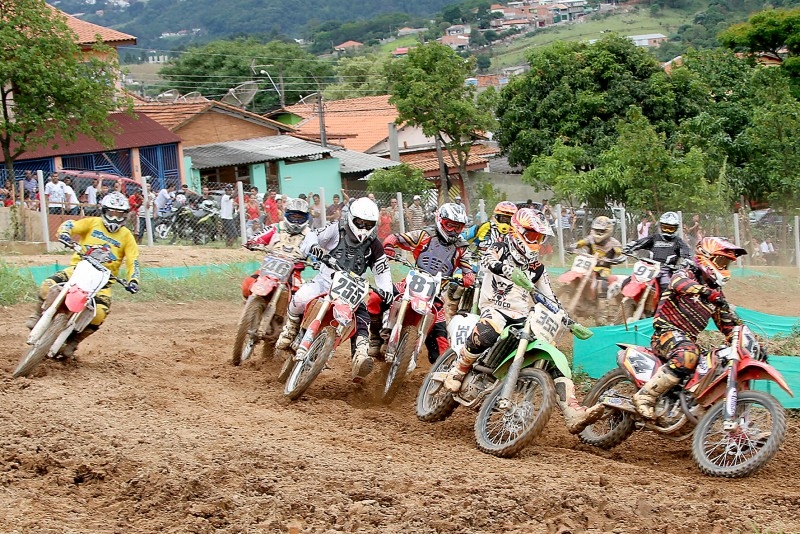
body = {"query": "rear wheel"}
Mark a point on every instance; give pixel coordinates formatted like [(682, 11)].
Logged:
[(247, 334), (36, 354), (434, 401), (505, 432), (402, 359), (616, 425), (759, 433), (306, 370)]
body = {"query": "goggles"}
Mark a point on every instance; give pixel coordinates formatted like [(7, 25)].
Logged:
[(503, 219), (116, 215), (669, 228), (533, 237), (720, 262), (363, 224), (452, 227), (296, 217)]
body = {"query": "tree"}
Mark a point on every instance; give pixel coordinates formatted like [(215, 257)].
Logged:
[(401, 178), (48, 86), (215, 68), (429, 90), (359, 76)]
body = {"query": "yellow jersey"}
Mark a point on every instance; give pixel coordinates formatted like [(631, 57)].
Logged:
[(109, 248)]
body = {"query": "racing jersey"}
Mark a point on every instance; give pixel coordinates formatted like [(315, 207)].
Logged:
[(683, 307), (485, 234), (277, 239), (608, 251), (497, 289), (430, 253), (663, 249), (109, 248)]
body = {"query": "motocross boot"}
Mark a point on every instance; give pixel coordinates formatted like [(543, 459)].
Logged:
[(36, 315), (289, 331), (576, 417), (362, 362), (460, 368), (71, 345), (375, 339), (603, 311), (645, 399)]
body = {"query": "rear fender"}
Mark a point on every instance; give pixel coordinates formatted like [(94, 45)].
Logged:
[(537, 350)]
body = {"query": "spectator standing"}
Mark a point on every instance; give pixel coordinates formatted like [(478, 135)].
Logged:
[(280, 202), (394, 213), (334, 211), (415, 215), (103, 192), (164, 200), (643, 228), (31, 185), (694, 232), (460, 202), (567, 219), (56, 195), (316, 211), (71, 203), (91, 199), (271, 215), (141, 213), (226, 214), (547, 211), (384, 224), (135, 200), (768, 251), (252, 208)]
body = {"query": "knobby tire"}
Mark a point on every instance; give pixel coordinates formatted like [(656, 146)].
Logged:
[(432, 407), (37, 353), (246, 338), (396, 375), (315, 359), (616, 425)]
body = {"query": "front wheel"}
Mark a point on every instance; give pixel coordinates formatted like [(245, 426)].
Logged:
[(615, 426), (36, 354), (305, 371), (402, 359), (247, 334), (161, 231), (434, 401), (760, 431), (505, 432)]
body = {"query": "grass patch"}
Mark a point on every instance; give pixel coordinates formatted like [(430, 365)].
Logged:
[(222, 284), (15, 286)]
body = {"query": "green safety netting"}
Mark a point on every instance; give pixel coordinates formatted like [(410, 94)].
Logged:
[(598, 354)]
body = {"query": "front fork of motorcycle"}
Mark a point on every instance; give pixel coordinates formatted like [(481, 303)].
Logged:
[(730, 421), (272, 305), (504, 402)]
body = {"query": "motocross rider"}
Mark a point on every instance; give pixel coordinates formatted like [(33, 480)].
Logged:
[(438, 249), (694, 296), (284, 238), (483, 236), (348, 244), (667, 247), (504, 303), (608, 250), (106, 239)]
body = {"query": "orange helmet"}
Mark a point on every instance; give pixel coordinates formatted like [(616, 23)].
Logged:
[(713, 255), (529, 231), (504, 211)]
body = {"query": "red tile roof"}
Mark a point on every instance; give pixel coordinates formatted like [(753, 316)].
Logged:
[(355, 123), (428, 162), (173, 115), (87, 32), (133, 133)]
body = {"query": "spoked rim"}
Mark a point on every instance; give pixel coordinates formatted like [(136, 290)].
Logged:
[(504, 426), (435, 394), (612, 419), (305, 370)]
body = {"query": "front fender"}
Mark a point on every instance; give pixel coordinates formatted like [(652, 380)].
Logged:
[(537, 350), (747, 369), (568, 277)]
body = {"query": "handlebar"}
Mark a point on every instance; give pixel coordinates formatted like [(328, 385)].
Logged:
[(75, 247)]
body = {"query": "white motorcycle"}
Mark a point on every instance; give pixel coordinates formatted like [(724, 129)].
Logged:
[(68, 308)]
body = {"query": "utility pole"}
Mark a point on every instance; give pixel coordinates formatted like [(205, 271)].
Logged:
[(323, 139)]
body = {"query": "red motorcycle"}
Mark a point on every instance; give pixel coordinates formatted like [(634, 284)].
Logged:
[(641, 291), (266, 305), (328, 320), (579, 290), (737, 430)]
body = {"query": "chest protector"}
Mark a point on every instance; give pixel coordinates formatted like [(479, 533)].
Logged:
[(435, 256), (289, 244), (350, 254), (663, 249)]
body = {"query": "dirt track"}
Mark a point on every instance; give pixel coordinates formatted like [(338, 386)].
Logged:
[(151, 429)]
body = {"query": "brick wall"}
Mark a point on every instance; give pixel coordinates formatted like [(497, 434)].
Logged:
[(215, 127)]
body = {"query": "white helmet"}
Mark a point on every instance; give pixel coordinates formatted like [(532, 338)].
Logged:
[(668, 224), (295, 215), (450, 221), (114, 210), (362, 216)]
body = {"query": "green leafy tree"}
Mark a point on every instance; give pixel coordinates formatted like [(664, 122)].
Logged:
[(215, 68), (48, 86), (401, 178), (359, 76), (429, 90)]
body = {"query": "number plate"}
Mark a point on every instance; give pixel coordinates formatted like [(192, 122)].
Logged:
[(349, 289), (276, 267), (584, 263), (644, 272), (544, 323), (421, 285)]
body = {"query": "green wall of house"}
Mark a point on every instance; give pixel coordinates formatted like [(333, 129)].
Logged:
[(308, 176), (258, 176)]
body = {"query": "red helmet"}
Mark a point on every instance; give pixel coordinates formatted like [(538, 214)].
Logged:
[(713, 255), (529, 231)]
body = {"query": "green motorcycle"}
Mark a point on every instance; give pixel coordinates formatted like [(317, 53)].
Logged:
[(511, 384)]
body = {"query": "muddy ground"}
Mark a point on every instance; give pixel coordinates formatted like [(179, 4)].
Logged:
[(151, 429)]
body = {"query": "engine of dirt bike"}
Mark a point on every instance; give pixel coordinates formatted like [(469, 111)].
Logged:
[(475, 385)]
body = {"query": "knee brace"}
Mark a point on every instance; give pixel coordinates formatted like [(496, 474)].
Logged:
[(482, 337)]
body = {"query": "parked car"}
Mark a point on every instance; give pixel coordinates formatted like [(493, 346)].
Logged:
[(765, 217)]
